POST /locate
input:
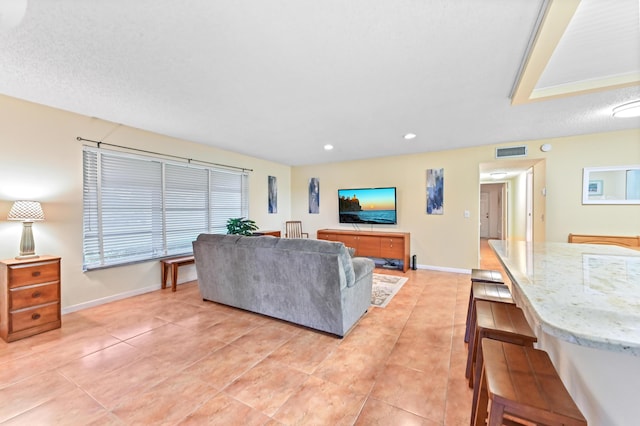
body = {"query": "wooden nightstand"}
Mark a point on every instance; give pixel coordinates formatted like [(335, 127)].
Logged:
[(29, 296)]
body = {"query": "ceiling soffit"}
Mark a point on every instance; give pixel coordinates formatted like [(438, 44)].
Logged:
[(574, 50)]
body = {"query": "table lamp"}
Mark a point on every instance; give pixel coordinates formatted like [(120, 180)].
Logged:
[(27, 212)]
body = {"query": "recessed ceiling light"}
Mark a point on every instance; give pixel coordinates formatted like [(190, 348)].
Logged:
[(410, 136), (631, 109), (328, 147), (498, 175)]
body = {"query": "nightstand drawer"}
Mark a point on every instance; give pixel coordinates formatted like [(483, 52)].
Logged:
[(27, 318), (35, 273), (25, 297)]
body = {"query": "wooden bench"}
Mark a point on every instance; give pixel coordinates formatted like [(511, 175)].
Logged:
[(630, 242), (174, 263)]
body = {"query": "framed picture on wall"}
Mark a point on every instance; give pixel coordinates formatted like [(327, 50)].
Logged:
[(273, 194), (595, 187), (314, 195), (435, 191)]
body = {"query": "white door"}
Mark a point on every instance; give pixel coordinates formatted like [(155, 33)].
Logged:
[(484, 215), (529, 207)]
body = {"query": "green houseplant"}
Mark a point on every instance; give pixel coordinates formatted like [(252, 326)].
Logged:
[(241, 226)]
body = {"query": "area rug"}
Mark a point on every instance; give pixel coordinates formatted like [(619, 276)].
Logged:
[(384, 288)]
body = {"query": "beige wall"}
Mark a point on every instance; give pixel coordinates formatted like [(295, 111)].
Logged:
[(450, 241), (42, 160)]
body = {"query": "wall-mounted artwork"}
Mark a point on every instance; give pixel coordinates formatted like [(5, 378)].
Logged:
[(435, 191), (273, 194), (595, 187), (314, 195)]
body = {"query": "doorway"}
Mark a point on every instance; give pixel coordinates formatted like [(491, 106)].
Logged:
[(509, 208), (492, 214)]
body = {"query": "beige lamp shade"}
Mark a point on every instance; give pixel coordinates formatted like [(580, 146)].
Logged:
[(26, 211)]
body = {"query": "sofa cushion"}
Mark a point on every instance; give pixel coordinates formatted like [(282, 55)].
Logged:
[(267, 241), (322, 246), (219, 238)]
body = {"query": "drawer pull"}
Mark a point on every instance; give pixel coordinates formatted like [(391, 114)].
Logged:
[(36, 294), (35, 274), (35, 316)]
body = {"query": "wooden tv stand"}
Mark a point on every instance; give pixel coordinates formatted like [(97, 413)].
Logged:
[(383, 245)]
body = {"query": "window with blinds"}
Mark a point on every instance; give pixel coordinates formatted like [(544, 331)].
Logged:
[(137, 208)]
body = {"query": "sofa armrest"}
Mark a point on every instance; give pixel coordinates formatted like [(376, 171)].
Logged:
[(361, 267)]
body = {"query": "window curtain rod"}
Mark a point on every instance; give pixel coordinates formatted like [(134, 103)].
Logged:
[(188, 160)]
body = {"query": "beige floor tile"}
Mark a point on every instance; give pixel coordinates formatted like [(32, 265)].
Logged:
[(72, 408), (85, 370), (305, 351), (31, 392), (21, 368), (117, 386), (202, 320), (377, 412), (266, 386), (263, 340), (414, 391), (223, 410), (319, 402), (412, 353), (353, 369), (133, 325), (166, 403), (221, 367), (231, 328)]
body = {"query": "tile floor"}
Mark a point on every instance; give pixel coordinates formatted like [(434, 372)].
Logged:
[(170, 358)]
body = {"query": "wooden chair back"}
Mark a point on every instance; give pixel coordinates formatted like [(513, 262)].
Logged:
[(293, 229)]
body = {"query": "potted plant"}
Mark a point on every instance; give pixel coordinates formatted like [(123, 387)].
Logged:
[(241, 226)]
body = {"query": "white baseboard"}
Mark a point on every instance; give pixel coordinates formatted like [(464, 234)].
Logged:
[(445, 269), (102, 301)]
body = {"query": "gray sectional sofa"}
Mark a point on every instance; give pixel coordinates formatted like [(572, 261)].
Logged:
[(309, 282)]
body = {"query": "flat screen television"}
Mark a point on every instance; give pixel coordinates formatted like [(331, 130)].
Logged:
[(368, 206)]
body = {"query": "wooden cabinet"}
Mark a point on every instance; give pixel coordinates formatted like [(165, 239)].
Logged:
[(30, 296), (272, 233), (384, 245)]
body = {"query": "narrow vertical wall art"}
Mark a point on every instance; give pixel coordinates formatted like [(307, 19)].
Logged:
[(435, 191), (273, 194), (314, 195)]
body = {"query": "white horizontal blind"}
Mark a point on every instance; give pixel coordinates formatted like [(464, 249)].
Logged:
[(138, 208), (226, 199)]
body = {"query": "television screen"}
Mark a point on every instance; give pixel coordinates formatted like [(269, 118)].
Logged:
[(368, 205)]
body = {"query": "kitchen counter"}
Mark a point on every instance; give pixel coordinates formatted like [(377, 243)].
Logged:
[(583, 302)]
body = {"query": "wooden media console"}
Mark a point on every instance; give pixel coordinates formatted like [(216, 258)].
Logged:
[(382, 245)]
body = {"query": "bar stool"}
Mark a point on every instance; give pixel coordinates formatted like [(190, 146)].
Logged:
[(485, 291), (522, 383), (486, 276), (498, 321), (480, 276)]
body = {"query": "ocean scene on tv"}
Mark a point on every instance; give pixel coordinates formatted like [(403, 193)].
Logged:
[(369, 206)]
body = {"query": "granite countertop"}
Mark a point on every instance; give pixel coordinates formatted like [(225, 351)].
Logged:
[(587, 294)]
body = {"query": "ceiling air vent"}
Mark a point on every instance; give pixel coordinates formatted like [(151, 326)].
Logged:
[(512, 151)]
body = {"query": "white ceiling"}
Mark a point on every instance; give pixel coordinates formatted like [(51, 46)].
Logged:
[(280, 79)]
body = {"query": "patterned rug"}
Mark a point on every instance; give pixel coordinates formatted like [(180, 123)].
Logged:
[(384, 288)]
